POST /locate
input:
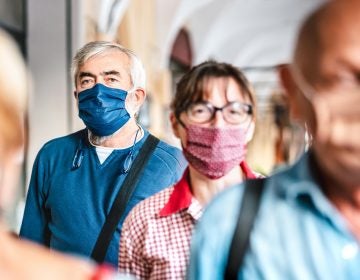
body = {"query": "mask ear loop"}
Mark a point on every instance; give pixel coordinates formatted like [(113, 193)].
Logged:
[(319, 105), (250, 129), (130, 157), (78, 157), (181, 122), (185, 127), (132, 113)]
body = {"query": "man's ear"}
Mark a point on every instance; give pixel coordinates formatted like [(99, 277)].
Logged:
[(291, 90), (136, 99), (75, 94), (140, 95), (174, 124)]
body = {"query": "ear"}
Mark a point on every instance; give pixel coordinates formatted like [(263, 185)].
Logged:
[(137, 99), (174, 125), (75, 94), (290, 89), (139, 96)]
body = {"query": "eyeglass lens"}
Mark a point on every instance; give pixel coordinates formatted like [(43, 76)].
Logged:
[(233, 112)]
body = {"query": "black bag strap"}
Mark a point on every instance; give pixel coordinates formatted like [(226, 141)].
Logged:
[(249, 207), (122, 198)]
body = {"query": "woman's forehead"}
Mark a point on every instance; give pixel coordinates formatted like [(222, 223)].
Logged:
[(223, 87)]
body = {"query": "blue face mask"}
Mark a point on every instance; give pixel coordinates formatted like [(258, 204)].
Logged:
[(102, 109)]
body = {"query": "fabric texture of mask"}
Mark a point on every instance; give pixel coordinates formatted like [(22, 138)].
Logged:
[(215, 151), (102, 109)]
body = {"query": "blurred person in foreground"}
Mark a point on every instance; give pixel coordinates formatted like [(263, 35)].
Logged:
[(20, 259), (308, 222), (78, 179), (213, 116)]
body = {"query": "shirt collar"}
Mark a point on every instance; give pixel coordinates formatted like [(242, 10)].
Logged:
[(305, 188), (181, 198), (249, 174), (305, 176), (303, 179)]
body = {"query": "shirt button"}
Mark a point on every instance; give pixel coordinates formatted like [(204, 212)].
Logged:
[(349, 251)]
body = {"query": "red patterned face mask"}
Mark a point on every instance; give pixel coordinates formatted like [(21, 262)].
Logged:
[(215, 151)]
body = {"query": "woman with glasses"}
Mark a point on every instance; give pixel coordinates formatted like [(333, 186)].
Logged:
[(213, 116)]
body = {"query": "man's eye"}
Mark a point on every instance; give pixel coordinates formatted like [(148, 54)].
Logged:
[(113, 80), (343, 79), (85, 82)]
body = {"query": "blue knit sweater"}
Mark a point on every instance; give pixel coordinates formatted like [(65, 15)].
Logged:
[(66, 207)]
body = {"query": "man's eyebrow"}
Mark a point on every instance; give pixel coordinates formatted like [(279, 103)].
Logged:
[(111, 72), (86, 74)]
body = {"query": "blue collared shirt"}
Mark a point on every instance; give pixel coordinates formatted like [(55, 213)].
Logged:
[(298, 233)]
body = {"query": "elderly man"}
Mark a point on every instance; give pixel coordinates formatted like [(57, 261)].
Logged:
[(307, 224), (78, 184), (20, 259)]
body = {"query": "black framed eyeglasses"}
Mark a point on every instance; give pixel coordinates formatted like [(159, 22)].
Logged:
[(233, 112)]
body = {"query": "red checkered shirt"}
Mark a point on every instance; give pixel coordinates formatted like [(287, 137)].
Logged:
[(155, 237)]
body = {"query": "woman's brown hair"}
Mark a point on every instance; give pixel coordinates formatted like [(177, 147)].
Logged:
[(192, 86)]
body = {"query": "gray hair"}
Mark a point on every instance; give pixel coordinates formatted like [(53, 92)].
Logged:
[(136, 71)]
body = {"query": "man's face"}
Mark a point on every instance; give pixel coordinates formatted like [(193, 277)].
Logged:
[(110, 69), (329, 100)]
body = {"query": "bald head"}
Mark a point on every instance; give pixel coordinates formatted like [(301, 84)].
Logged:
[(332, 29)]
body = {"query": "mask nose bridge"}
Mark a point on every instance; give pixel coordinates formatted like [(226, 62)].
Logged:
[(303, 85)]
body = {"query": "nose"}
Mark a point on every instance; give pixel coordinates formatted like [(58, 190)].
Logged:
[(218, 119), (100, 80)]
